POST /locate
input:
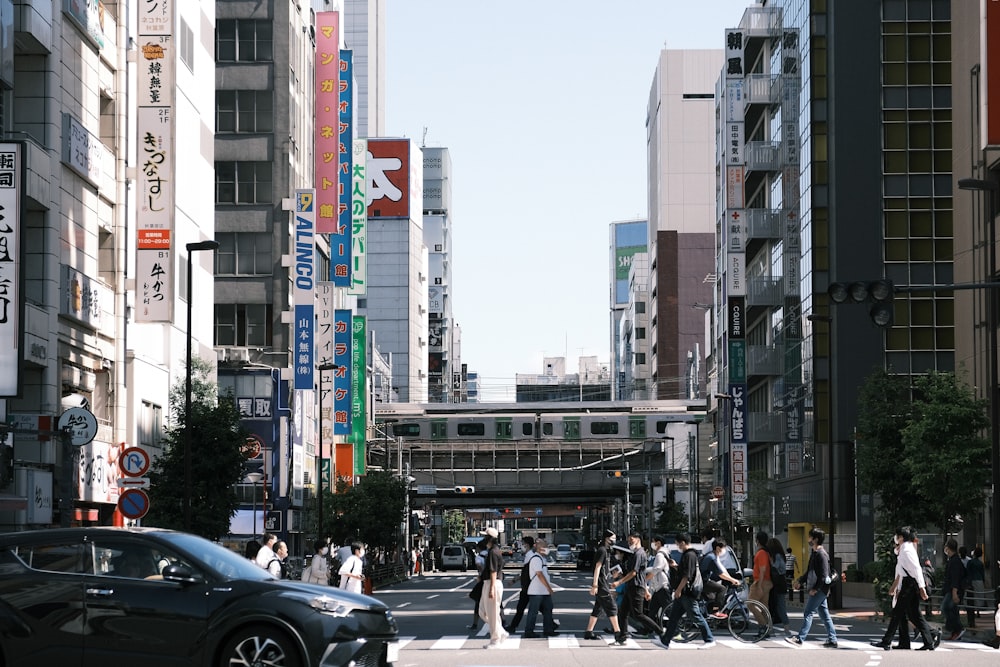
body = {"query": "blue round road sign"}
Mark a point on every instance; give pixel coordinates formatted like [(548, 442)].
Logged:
[(133, 503)]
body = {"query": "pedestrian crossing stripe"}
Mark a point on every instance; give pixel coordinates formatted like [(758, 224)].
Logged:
[(466, 642)]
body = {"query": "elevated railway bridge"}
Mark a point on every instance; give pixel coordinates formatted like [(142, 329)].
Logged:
[(549, 459)]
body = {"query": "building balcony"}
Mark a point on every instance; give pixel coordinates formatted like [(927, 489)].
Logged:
[(761, 89), (761, 22), (764, 291), (762, 155), (32, 27), (766, 427), (764, 360), (762, 223)]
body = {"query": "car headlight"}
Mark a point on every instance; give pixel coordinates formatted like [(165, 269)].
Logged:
[(329, 605)]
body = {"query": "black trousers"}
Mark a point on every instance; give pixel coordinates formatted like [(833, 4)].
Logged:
[(632, 608), (522, 604), (907, 609)]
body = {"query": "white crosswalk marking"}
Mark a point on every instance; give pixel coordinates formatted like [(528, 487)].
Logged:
[(450, 642)]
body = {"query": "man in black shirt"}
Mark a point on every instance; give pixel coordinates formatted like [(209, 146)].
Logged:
[(634, 579), (602, 591), (685, 597)]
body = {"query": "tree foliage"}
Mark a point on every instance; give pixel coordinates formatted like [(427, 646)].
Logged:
[(671, 516), (454, 526), (921, 450), (217, 460), (371, 511)]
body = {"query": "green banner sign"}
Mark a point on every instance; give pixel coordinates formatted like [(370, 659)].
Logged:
[(359, 403)]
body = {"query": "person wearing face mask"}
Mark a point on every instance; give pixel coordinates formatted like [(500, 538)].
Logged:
[(318, 570), (351, 572), (908, 590)]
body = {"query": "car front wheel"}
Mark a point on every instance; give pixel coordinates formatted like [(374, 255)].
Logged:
[(260, 645)]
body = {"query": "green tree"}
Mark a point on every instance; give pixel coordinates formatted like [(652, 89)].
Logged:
[(671, 516), (371, 511), (217, 460), (921, 448), (454, 526)]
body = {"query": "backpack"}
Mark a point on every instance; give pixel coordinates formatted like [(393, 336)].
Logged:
[(695, 588), (281, 566), (778, 574), (525, 574)]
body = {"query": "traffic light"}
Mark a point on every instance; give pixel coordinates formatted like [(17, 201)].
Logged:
[(465, 489), (879, 293), (616, 473)]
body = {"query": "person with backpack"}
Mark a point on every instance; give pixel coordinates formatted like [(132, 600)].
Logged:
[(522, 600), (686, 593), (658, 578), (539, 591), (817, 579)]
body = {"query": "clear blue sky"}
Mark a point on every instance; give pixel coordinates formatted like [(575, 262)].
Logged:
[(542, 105)]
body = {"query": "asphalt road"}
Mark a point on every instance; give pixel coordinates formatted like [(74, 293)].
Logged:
[(433, 613)]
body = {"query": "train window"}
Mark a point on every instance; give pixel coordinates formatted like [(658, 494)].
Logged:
[(505, 429), (475, 428), (546, 428), (603, 428), (661, 427), (410, 430), (636, 427), (439, 430), (571, 428), (527, 429)]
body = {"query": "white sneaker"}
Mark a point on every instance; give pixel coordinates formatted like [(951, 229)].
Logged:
[(710, 644)]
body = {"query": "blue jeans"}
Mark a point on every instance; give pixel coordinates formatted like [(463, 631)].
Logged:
[(536, 603), (817, 603), (685, 604)]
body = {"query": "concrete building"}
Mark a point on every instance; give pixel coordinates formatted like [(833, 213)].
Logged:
[(813, 191), (101, 196), (680, 148), (592, 382), (444, 364), (633, 335), (364, 33), (975, 128), (628, 238)]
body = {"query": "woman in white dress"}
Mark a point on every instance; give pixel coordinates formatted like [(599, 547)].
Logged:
[(317, 572), (351, 575)]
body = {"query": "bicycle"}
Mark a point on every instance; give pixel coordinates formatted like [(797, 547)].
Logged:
[(748, 621)]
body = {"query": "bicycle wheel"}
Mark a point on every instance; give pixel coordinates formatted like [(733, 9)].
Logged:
[(750, 622), (686, 629)]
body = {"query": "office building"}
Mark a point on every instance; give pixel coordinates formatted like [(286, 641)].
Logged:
[(628, 238)]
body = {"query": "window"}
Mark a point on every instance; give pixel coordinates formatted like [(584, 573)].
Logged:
[(187, 45), (243, 40), (244, 254), (546, 428), (439, 430), (504, 429), (640, 306), (411, 430), (58, 557), (150, 424), (243, 325), (527, 429), (477, 428), (603, 428), (244, 111), (640, 333), (637, 427), (640, 358), (242, 182), (571, 428)]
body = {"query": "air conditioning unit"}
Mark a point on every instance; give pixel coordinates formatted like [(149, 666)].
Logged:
[(238, 354)]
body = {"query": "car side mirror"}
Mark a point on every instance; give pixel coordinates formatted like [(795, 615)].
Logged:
[(181, 574)]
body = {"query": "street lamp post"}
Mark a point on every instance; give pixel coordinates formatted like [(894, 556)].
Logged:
[(727, 429), (991, 187), (191, 248)]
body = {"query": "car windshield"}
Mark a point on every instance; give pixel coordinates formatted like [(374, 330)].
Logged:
[(216, 557)]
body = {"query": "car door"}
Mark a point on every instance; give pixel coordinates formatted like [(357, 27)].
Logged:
[(42, 618), (133, 613)]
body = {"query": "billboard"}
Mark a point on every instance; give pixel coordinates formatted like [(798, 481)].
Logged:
[(390, 178), (11, 178), (304, 277), (327, 115)]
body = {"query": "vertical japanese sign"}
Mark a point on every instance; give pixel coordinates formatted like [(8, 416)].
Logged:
[(341, 242), (10, 268), (342, 372), (325, 307), (328, 129), (991, 77), (154, 267), (359, 402), (734, 238), (304, 276), (359, 218)]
